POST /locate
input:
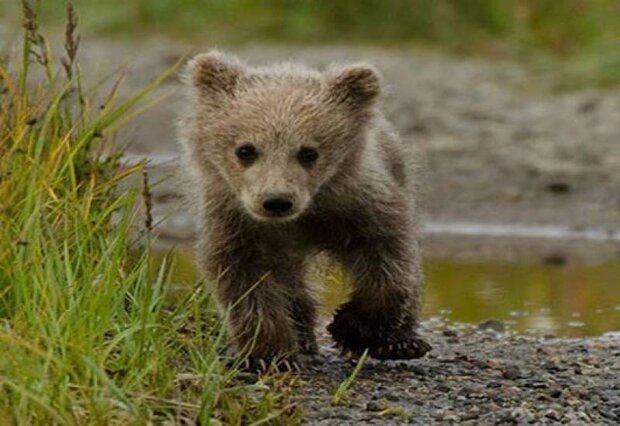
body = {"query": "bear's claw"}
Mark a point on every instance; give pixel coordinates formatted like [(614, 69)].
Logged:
[(262, 365), (413, 347)]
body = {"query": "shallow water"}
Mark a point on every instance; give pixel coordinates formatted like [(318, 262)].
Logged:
[(568, 300)]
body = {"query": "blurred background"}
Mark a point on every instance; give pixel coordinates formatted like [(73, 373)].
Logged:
[(582, 34), (512, 107)]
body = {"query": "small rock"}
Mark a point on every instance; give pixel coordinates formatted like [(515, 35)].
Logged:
[(448, 332), (375, 406), (479, 363), (472, 415), (583, 416), (451, 418), (555, 259), (493, 325), (551, 366), (522, 414), (443, 388), (493, 363), (472, 389), (552, 414), (555, 392), (559, 188), (588, 105), (511, 373), (419, 370), (536, 384)]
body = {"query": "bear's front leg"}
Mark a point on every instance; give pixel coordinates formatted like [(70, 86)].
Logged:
[(261, 326), (303, 309), (253, 289), (382, 315)]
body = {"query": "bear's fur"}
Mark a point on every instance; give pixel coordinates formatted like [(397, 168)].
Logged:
[(251, 135)]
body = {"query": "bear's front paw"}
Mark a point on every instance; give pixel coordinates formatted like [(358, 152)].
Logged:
[(259, 365), (412, 347), (387, 339)]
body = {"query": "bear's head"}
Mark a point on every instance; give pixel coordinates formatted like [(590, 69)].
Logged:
[(277, 134)]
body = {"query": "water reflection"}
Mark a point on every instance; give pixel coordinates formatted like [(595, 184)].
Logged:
[(571, 300)]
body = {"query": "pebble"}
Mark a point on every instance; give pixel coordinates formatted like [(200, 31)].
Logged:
[(450, 332), (552, 414), (511, 373), (492, 325), (523, 414), (419, 370), (472, 389), (374, 406)]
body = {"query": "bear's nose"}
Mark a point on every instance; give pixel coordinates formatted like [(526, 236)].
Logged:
[(277, 204)]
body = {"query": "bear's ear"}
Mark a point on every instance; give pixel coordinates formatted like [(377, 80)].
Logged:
[(356, 86), (214, 73)]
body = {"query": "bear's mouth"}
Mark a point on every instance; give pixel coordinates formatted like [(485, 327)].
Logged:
[(275, 217)]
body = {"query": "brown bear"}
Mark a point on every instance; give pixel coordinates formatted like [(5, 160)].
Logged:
[(286, 162)]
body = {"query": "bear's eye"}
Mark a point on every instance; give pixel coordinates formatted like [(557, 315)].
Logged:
[(247, 153), (307, 156)]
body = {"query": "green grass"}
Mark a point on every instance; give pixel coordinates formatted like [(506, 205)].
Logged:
[(87, 334), (579, 40), (340, 395)]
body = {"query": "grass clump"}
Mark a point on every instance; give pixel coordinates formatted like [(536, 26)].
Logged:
[(86, 333)]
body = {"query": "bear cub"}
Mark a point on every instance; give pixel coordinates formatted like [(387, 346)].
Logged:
[(287, 162)]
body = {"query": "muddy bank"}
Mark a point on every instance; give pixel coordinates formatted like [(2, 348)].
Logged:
[(476, 374)]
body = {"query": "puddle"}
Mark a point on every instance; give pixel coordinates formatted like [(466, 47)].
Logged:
[(572, 300)]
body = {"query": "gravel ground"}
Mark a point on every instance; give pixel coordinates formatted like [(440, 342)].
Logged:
[(476, 374)]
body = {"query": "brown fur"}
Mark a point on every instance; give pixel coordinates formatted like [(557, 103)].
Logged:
[(355, 203)]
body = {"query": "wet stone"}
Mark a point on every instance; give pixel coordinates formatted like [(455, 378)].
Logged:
[(492, 325), (450, 332)]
